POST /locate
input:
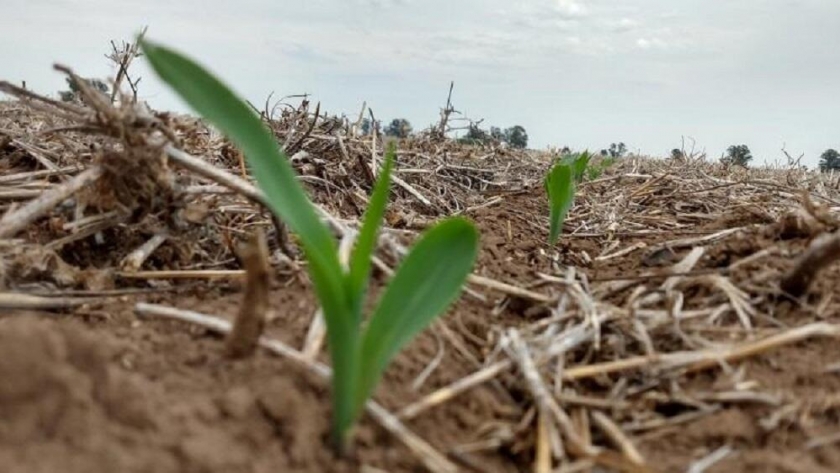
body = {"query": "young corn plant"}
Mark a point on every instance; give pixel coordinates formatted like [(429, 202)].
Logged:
[(560, 186), (427, 281), (579, 162), (594, 171)]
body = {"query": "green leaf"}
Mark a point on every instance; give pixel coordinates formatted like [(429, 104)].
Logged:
[(568, 159), (581, 163), (578, 162), (276, 177), (560, 186), (360, 259), (426, 283)]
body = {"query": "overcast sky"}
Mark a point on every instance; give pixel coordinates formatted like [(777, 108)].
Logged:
[(581, 73)]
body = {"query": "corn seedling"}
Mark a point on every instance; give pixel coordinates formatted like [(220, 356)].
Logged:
[(596, 169), (428, 280), (578, 162), (560, 186)]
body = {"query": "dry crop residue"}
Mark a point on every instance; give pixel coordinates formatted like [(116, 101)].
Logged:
[(643, 324)]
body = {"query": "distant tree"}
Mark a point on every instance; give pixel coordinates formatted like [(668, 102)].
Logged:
[(605, 152), (566, 150), (830, 160), (739, 155), (74, 91), (517, 137), (677, 153), (399, 127), (366, 126), (497, 134), (476, 134), (617, 150)]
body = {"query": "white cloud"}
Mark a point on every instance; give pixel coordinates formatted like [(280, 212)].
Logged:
[(623, 24), (572, 8), (651, 43)]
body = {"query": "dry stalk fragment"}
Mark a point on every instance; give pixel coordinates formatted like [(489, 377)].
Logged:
[(248, 328), (822, 252)]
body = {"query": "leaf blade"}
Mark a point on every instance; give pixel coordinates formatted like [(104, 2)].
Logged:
[(581, 163), (560, 186), (360, 259), (426, 283), (220, 106)]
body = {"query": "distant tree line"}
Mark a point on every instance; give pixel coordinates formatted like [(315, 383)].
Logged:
[(397, 128), (740, 155), (74, 92), (616, 150), (515, 136)]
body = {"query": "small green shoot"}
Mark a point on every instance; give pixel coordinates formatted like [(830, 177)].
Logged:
[(560, 186), (425, 284), (597, 169), (579, 163)]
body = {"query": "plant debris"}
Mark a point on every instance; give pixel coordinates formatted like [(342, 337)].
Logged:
[(661, 333)]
